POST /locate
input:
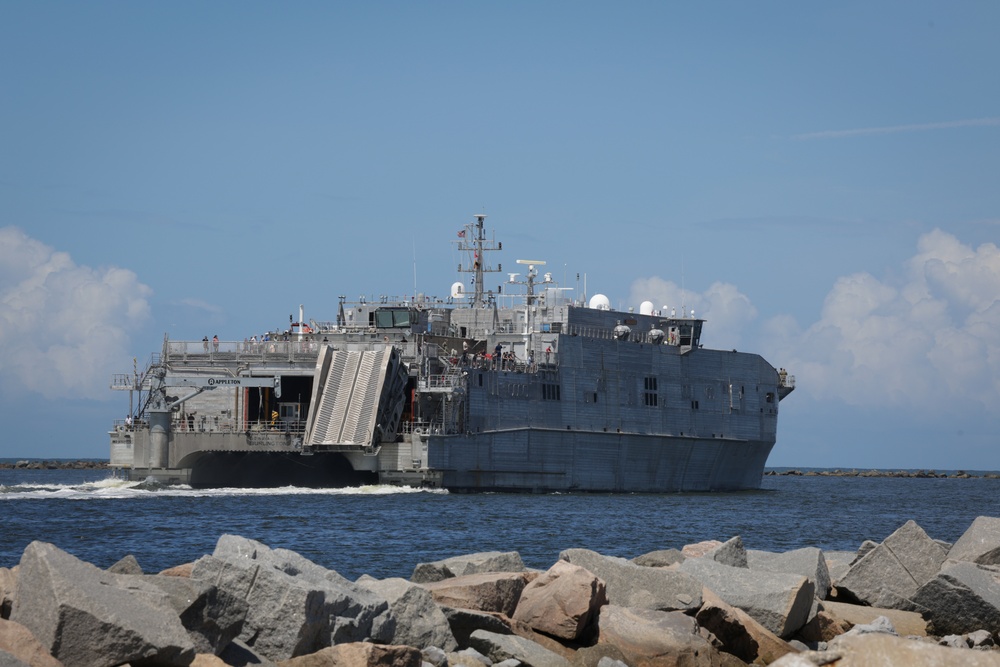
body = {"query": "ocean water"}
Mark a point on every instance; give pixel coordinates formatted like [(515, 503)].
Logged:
[(386, 531)]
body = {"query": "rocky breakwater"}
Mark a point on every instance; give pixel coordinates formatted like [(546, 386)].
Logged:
[(908, 600), (59, 464)]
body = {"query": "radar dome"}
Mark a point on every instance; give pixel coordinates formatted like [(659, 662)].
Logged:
[(646, 308), (600, 302), (457, 290)]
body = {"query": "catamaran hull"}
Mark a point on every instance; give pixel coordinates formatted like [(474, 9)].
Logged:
[(539, 460)]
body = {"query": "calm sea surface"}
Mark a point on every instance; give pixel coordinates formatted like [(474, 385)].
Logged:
[(385, 532)]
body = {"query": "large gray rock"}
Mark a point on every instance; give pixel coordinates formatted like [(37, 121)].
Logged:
[(463, 622), (838, 564), (651, 637), (739, 633), (419, 620), (127, 565), (478, 563), (962, 598), (780, 602), (563, 602), (731, 553), (890, 574), (504, 647), (213, 617), (295, 606), (660, 558), (631, 585), (980, 543), (83, 616), (810, 562), (487, 591)]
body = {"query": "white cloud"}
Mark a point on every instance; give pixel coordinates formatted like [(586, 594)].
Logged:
[(929, 340), (728, 309), (63, 327)]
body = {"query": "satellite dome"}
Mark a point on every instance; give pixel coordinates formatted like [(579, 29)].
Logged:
[(600, 302), (646, 308), (457, 290)]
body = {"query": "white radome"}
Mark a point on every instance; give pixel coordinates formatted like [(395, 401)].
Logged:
[(600, 302)]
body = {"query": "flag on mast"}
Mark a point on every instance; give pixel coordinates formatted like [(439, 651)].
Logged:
[(461, 234)]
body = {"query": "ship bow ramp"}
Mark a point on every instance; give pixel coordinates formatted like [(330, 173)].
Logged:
[(357, 400)]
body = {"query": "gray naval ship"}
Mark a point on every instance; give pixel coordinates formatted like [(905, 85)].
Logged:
[(517, 389)]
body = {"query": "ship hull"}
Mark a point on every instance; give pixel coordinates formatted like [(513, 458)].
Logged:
[(544, 460)]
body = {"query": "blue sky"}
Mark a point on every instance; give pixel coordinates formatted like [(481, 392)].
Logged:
[(817, 180)]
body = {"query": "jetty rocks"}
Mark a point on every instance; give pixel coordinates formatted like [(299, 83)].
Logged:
[(907, 600)]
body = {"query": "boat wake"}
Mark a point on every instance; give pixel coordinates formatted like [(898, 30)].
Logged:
[(114, 488)]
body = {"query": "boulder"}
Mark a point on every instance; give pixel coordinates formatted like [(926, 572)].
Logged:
[(8, 660), (178, 570), (457, 566), (504, 647), (731, 553), (463, 622), (212, 617), (809, 562), (648, 637), (863, 550), (962, 598), (295, 607), (980, 543), (468, 657), (80, 613), (8, 585), (18, 641), (822, 627), (359, 654), (562, 602), (838, 564), (890, 574), (881, 649), (881, 625), (738, 632), (127, 565), (661, 558), (780, 602), (600, 655), (419, 620), (907, 623), (699, 549), (631, 585), (490, 591)]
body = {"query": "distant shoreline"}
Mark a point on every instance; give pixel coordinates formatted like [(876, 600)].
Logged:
[(104, 464), (916, 474)]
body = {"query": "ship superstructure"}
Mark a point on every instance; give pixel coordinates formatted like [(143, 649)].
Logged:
[(515, 389)]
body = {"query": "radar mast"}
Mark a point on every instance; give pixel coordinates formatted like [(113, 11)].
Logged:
[(472, 240)]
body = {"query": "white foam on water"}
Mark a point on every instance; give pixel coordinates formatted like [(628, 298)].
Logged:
[(112, 488)]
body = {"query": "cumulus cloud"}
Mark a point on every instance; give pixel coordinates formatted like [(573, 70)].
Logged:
[(63, 327), (729, 310), (929, 339)]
